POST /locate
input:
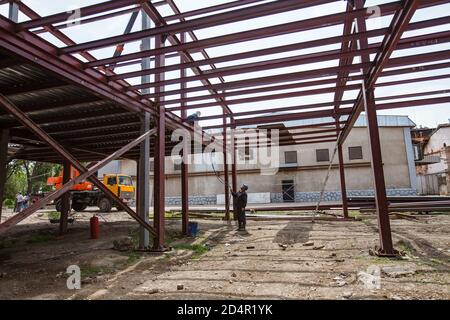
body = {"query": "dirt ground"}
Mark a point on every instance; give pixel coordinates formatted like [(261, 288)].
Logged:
[(273, 260)]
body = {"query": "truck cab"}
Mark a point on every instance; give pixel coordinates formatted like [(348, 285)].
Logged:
[(121, 185)]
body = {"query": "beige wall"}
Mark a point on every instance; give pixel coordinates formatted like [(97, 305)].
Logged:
[(309, 174)]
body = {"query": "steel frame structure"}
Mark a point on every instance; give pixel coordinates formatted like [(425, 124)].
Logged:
[(85, 104)]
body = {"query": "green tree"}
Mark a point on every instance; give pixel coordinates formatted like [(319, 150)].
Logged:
[(28, 177)]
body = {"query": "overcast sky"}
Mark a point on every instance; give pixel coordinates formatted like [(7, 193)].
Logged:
[(427, 115)]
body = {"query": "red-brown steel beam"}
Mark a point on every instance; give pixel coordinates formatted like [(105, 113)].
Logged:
[(384, 228), (181, 15), (275, 111), (342, 173), (303, 25), (89, 20), (173, 39), (344, 102), (249, 35), (346, 46), (396, 62), (205, 55), (292, 116), (408, 43), (84, 173), (328, 113), (302, 75), (38, 51), (49, 28), (423, 40), (84, 12), (385, 9), (398, 26), (199, 23), (413, 103), (270, 97)]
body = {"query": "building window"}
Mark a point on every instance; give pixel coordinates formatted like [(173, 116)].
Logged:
[(245, 153), (248, 153), (112, 181), (355, 153), (177, 166), (152, 165), (290, 157), (322, 155)]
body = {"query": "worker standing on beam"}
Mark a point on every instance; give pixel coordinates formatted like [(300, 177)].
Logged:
[(240, 202)]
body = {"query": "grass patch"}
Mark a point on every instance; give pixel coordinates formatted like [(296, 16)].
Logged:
[(40, 238), (354, 214), (54, 215), (378, 260), (90, 271), (406, 248), (198, 249), (133, 257), (175, 215)]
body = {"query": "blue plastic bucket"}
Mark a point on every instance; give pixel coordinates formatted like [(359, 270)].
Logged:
[(193, 229)]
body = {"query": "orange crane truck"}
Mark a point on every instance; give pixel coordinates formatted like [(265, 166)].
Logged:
[(86, 194)]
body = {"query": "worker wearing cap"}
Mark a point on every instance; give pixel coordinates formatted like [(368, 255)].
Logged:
[(193, 118), (240, 202)]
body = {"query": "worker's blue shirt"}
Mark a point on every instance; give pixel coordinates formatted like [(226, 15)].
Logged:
[(240, 199), (192, 118)]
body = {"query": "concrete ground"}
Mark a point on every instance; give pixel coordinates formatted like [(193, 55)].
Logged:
[(273, 260)]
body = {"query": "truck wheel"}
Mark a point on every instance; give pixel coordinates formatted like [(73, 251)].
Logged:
[(58, 205), (105, 205), (78, 206)]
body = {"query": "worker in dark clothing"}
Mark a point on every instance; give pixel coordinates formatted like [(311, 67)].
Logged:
[(240, 202), (193, 117)]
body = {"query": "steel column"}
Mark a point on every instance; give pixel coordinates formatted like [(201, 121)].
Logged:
[(4, 138), (186, 154), (65, 201), (225, 169), (386, 247), (342, 174), (13, 13), (143, 202), (234, 167), (143, 199), (160, 145)]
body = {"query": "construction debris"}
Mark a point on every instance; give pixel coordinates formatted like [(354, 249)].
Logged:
[(398, 271), (124, 244)]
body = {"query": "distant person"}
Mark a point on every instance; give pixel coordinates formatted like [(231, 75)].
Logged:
[(26, 198), (19, 202), (240, 202), (193, 118)]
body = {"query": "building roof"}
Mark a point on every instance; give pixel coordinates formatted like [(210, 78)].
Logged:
[(383, 121)]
